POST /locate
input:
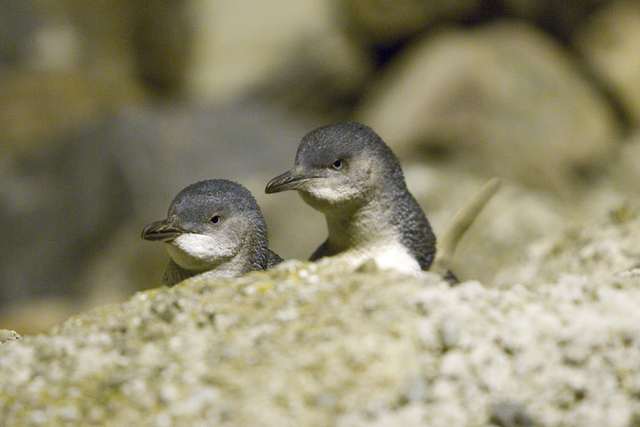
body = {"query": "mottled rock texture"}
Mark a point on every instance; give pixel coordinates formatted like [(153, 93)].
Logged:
[(320, 344)]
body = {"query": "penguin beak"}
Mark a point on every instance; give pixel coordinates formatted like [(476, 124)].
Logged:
[(164, 231), (287, 181)]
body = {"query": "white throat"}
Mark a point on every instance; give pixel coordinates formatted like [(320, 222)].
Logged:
[(200, 253)]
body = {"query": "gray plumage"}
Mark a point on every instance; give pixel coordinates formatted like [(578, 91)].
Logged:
[(214, 228), (347, 172)]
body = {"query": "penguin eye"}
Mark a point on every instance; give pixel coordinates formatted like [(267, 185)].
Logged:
[(216, 219), (338, 165)]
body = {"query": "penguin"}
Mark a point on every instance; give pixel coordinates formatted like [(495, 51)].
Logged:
[(214, 229), (348, 173)]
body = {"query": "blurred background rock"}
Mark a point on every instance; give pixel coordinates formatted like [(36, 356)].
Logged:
[(109, 107)]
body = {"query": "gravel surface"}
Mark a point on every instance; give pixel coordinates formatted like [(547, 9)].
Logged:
[(321, 344)]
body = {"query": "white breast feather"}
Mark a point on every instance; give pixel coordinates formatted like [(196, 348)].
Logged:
[(200, 252), (391, 256)]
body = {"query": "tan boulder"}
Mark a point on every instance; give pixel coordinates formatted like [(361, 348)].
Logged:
[(610, 42), (504, 99)]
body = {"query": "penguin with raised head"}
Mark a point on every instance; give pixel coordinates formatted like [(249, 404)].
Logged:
[(347, 172)]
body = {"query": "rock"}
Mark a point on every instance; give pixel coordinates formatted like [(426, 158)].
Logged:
[(162, 44), (509, 414), (320, 75), (610, 42), (16, 24), (239, 48), (35, 314), (317, 344), (503, 99), (57, 200), (560, 20), (387, 23), (514, 218), (37, 108), (8, 336), (591, 250), (627, 171)]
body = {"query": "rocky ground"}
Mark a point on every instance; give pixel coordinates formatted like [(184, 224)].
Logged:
[(323, 344), (106, 116)]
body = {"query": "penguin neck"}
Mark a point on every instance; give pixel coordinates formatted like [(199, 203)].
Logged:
[(363, 225), (244, 261)]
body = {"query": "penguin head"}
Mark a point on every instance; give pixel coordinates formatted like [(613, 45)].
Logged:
[(340, 165), (209, 223)]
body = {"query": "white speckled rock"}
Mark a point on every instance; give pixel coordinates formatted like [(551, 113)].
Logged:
[(594, 249), (8, 336), (317, 344)]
